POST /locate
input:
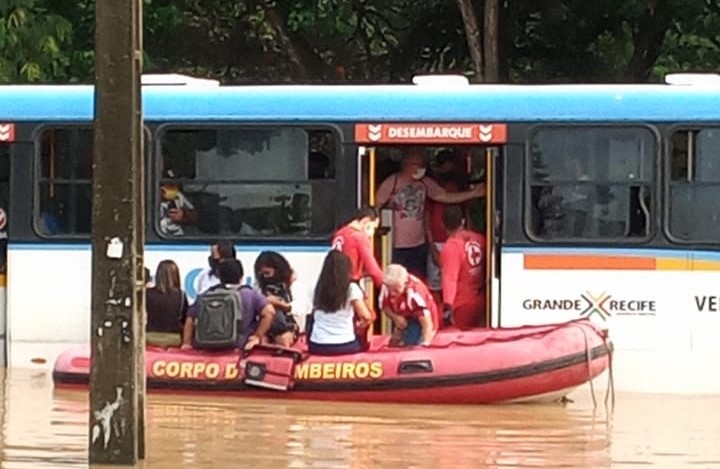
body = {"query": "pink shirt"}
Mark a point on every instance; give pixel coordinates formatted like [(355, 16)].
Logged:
[(407, 200)]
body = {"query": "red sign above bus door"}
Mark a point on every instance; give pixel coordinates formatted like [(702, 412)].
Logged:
[(431, 133), (7, 132)]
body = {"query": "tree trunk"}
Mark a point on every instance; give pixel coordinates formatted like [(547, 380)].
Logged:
[(490, 41), (472, 35), (283, 37), (648, 38)]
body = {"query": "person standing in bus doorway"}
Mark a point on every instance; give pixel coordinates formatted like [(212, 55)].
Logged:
[(463, 272), (219, 251), (451, 176), (353, 240), (405, 193)]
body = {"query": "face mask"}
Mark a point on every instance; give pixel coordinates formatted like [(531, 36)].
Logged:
[(213, 263), (419, 174)]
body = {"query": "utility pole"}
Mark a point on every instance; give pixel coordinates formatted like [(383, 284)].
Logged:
[(117, 374)]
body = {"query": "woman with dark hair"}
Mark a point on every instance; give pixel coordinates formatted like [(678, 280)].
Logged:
[(276, 280), (166, 307), (337, 302)]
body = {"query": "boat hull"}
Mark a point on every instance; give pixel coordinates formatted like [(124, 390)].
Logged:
[(469, 367)]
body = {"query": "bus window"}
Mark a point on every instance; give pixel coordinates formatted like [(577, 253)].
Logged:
[(64, 179), (247, 182), (591, 183), (694, 185)]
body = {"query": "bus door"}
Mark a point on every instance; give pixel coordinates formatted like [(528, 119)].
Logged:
[(8, 146), (478, 148)]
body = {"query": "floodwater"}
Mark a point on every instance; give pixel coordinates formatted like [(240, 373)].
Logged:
[(43, 427)]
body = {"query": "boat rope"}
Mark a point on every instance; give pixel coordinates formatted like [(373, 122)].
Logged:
[(610, 391), (588, 357)]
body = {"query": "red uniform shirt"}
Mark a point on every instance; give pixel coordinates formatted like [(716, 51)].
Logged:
[(463, 268), (355, 244), (415, 302), (435, 213)]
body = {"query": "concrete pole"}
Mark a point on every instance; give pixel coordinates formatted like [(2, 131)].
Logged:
[(117, 378)]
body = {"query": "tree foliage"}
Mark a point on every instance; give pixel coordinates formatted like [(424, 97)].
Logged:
[(370, 41)]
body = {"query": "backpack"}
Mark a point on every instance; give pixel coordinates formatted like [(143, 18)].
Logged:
[(219, 314)]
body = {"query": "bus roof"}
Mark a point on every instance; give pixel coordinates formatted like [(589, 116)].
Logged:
[(377, 103)]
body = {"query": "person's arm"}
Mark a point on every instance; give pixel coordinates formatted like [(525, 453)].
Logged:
[(434, 253), (370, 263), (427, 327), (278, 303), (361, 310), (438, 194), (384, 192), (450, 262), (187, 334), (399, 321)]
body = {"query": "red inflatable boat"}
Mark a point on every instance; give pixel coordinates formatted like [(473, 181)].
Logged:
[(471, 367)]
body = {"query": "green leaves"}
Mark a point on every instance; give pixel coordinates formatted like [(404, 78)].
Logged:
[(32, 42)]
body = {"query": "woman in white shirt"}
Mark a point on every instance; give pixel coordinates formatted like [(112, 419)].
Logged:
[(336, 303)]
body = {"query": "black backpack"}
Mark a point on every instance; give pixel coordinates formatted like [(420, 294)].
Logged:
[(219, 315)]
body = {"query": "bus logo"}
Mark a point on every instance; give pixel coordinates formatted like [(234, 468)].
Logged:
[(7, 132), (595, 305)]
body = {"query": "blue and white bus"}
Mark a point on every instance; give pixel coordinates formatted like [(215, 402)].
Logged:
[(603, 200)]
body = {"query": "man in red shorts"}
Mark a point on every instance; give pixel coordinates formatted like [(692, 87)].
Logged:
[(408, 303), (463, 272), (353, 240)]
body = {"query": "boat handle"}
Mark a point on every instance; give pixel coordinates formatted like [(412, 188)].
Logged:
[(415, 366)]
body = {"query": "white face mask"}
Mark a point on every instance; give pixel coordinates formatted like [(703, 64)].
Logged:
[(419, 174)]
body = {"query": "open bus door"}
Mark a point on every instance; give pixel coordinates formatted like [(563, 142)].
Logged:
[(380, 154)]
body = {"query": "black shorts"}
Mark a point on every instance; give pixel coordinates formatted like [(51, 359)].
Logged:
[(283, 322)]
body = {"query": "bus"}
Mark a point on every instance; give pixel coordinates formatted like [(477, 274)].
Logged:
[(602, 200)]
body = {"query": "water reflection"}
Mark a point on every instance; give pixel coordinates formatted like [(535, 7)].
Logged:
[(44, 427)]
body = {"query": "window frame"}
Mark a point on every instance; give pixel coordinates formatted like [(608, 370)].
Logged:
[(653, 185), (156, 173), (37, 173), (668, 182), (38, 180)]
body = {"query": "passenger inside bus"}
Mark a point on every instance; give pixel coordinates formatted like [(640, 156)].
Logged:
[(405, 193), (175, 208), (449, 172)]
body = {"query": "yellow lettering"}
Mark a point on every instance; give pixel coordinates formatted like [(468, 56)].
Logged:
[(348, 371), (302, 371), (198, 369), (186, 370), (362, 370), (158, 368), (231, 371), (339, 370), (328, 371), (376, 370), (212, 370), (172, 369), (315, 370)]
